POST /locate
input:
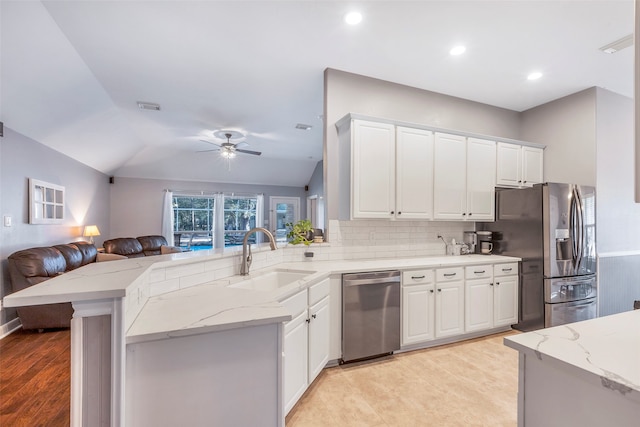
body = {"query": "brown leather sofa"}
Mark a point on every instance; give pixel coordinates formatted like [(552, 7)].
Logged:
[(138, 247), (31, 266)]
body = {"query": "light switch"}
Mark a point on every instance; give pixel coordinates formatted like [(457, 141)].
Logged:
[(7, 220)]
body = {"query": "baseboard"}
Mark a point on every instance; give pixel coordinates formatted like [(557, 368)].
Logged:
[(10, 327)]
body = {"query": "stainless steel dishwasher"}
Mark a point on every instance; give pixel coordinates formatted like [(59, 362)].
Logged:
[(370, 314)]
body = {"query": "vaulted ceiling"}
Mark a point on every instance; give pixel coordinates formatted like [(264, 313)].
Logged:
[(73, 72)]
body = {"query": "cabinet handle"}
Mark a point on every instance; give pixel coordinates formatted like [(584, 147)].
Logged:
[(418, 277), (392, 212), (479, 272), (524, 182), (308, 320), (507, 269), (399, 213), (449, 274), (431, 290), (497, 283), (490, 284), (464, 214), (313, 315), (439, 290), (470, 213)]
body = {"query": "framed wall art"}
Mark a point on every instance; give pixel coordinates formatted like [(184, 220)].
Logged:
[(46, 202)]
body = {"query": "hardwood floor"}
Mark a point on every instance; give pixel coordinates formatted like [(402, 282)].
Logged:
[(472, 383), (35, 371)]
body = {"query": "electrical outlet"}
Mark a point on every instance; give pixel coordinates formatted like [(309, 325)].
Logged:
[(7, 220)]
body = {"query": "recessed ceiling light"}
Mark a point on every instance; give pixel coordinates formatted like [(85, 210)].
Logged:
[(302, 126), (534, 76), (148, 106), (457, 50), (353, 18)]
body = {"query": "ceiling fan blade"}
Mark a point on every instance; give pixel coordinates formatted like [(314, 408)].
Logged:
[(206, 151), (255, 153), (241, 144), (209, 142)]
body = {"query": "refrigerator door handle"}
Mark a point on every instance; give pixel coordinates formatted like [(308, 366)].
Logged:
[(581, 231)]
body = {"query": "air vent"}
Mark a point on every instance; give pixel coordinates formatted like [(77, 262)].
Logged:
[(148, 106), (302, 126), (617, 45)]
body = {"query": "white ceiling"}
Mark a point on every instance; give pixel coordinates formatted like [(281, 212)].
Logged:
[(73, 71)]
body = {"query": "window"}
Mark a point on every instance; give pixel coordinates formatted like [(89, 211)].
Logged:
[(193, 219), (239, 217)]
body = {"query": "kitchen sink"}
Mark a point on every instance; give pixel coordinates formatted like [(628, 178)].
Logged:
[(271, 280)]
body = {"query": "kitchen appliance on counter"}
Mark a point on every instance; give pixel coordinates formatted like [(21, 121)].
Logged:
[(485, 244), (470, 239), (552, 228), (370, 314)]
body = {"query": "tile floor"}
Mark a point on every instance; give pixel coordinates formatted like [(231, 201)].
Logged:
[(471, 383)]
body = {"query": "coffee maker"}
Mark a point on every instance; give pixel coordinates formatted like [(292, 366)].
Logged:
[(485, 242)]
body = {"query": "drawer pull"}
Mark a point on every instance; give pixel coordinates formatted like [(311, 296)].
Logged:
[(431, 290), (507, 269), (479, 272), (449, 274), (418, 277)]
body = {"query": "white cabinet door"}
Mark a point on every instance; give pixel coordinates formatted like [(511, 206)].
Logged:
[(478, 305), (449, 309), (508, 165), (505, 301), (319, 324), (532, 166), (414, 173), (418, 305), (373, 170), (295, 360), (481, 179), (449, 177)]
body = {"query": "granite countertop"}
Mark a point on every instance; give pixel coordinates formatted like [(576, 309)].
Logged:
[(606, 349)]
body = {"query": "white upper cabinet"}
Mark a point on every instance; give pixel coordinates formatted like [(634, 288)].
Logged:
[(391, 171), (481, 181), (450, 177), (518, 166), (464, 179), (373, 170), (414, 173)]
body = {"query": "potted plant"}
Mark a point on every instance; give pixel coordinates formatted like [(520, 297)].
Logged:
[(301, 232)]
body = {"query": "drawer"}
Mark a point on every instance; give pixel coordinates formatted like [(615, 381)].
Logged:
[(507, 269), (449, 274), (478, 272), (296, 304), (318, 291), (417, 277)]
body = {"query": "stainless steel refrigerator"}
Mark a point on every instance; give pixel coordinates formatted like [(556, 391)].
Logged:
[(552, 228)]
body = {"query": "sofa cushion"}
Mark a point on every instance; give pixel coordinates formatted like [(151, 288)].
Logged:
[(38, 262), (71, 254), (151, 244), (88, 251), (127, 246)]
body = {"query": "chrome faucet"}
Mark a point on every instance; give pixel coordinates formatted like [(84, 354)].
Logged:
[(246, 259)]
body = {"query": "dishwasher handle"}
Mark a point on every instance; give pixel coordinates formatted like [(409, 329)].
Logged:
[(361, 282)]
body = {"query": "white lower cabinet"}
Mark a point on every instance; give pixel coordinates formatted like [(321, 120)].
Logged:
[(491, 301), (306, 340), (418, 306), (449, 307)]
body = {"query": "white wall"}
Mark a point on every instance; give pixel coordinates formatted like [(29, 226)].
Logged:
[(618, 216), (136, 204), (351, 93), (568, 128), (87, 199)]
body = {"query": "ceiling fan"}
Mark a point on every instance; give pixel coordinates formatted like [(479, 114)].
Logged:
[(228, 149)]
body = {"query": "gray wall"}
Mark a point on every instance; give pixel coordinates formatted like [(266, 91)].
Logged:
[(351, 93), (136, 204), (87, 199), (568, 127)]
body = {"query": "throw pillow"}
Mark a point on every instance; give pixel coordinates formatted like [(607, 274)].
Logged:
[(108, 257), (169, 250)]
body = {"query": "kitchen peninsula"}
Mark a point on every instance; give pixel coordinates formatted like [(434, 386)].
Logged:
[(187, 339), (580, 374)]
